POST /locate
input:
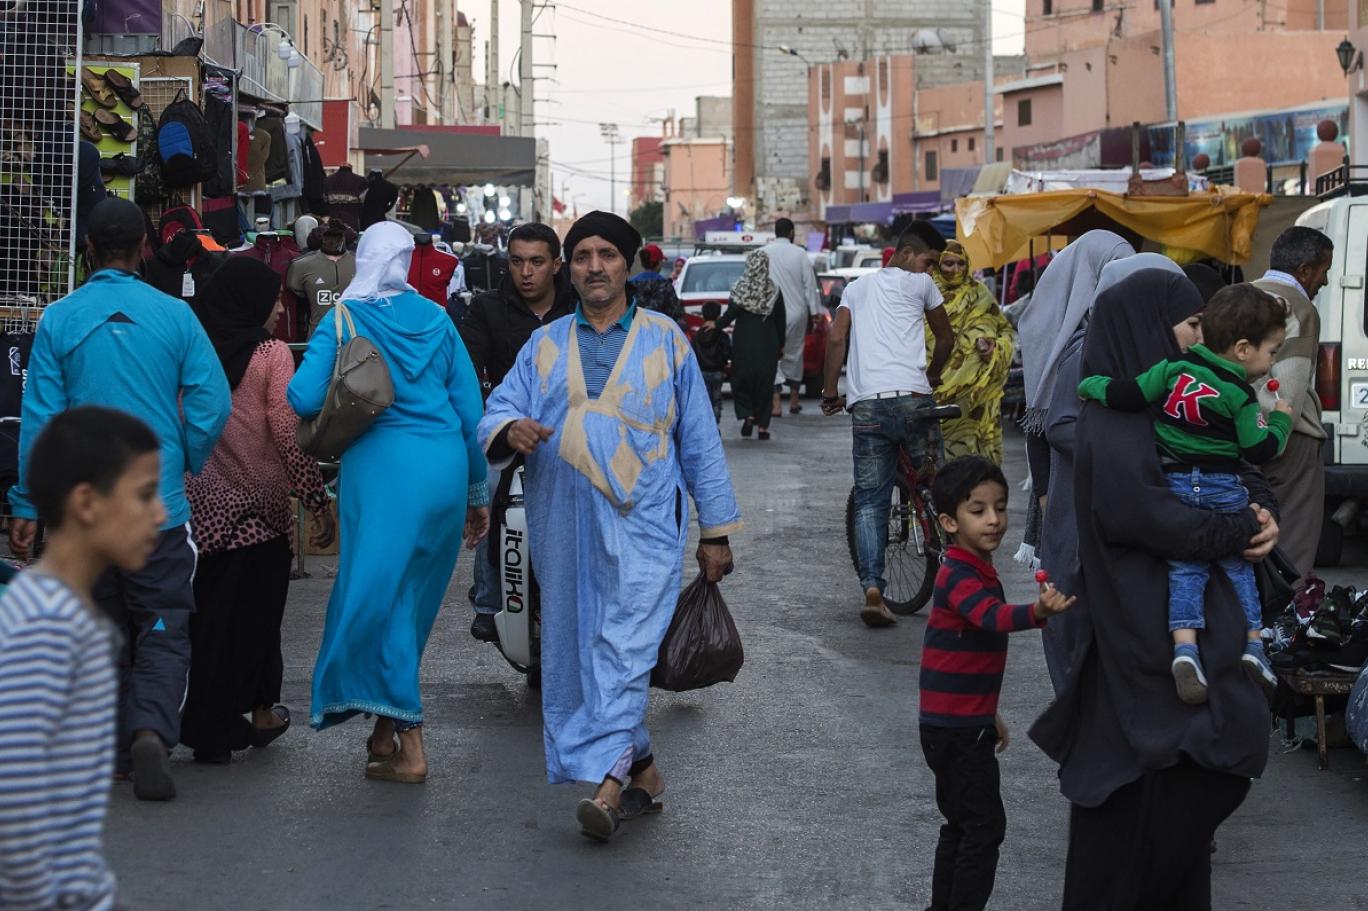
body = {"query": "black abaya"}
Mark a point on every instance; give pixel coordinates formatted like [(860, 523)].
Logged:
[(756, 342)]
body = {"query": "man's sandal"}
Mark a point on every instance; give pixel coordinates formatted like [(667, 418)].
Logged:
[(597, 820), (639, 802)]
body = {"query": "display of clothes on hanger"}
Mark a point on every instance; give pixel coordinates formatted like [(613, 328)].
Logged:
[(343, 190), (293, 185)]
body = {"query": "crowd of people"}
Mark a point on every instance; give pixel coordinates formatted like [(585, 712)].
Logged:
[(159, 452)]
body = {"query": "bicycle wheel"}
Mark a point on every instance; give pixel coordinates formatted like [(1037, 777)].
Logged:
[(912, 554)]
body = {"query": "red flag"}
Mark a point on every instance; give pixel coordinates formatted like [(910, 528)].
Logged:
[(557, 206)]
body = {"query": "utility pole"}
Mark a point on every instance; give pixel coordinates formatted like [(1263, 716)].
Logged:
[(526, 82), (386, 65), (988, 153), (446, 70), (609, 131), (493, 80), (1170, 78)]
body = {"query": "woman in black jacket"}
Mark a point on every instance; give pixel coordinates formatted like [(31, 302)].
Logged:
[(1150, 778)]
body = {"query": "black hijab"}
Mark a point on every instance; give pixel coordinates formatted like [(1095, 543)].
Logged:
[(1132, 323), (233, 307), (1117, 714), (1207, 279)]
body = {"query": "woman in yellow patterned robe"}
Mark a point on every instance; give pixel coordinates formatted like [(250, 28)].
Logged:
[(977, 371)]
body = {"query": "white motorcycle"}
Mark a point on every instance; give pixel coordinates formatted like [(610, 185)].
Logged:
[(519, 617)]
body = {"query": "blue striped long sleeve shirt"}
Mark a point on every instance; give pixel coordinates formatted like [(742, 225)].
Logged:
[(58, 697)]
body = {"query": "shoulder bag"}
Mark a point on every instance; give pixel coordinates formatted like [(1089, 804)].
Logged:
[(361, 388)]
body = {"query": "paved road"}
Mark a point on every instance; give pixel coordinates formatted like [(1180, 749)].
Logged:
[(801, 786)]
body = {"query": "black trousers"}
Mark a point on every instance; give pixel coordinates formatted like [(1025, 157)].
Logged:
[(969, 796), (152, 609), (1148, 846), (240, 597)]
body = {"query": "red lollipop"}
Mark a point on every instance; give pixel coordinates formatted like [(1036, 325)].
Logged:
[(1274, 386), (1042, 577)]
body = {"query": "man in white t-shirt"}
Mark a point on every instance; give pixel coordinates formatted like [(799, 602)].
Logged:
[(885, 316)]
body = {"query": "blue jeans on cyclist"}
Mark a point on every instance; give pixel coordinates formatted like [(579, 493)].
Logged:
[(881, 429)]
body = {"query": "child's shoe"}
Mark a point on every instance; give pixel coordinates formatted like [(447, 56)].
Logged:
[(1256, 666), (1188, 675)]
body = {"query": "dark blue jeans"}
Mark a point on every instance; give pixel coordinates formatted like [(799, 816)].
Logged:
[(881, 428), (1188, 581)]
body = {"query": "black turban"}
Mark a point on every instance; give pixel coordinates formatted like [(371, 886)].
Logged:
[(612, 228)]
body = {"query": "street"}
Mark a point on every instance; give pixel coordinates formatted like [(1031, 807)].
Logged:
[(802, 785)]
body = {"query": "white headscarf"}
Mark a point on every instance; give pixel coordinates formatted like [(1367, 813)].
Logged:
[(382, 263)]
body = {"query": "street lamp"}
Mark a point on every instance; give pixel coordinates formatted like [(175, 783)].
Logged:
[(1345, 52), (286, 49), (785, 49)]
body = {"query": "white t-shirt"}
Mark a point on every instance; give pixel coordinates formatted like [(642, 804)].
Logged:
[(888, 332)]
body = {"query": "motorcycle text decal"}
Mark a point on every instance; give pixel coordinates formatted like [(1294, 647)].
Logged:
[(513, 571)]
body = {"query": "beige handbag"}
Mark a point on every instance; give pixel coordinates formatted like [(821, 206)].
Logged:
[(360, 390)]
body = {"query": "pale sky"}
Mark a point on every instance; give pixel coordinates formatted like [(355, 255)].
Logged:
[(628, 74)]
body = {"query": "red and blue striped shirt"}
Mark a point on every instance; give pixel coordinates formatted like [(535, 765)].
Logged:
[(965, 651)]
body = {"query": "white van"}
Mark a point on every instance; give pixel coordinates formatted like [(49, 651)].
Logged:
[(1342, 366)]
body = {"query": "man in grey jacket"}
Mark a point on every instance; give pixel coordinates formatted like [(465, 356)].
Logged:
[(1298, 264), (791, 271)]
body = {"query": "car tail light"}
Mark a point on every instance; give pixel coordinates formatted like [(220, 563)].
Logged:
[(1328, 376)]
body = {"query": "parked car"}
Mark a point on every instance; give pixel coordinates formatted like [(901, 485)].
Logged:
[(832, 283), (710, 278)]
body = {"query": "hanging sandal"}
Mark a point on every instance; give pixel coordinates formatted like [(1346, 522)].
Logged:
[(123, 87), (89, 128), (117, 127), (98, 89), (262, 737), (597, 821)]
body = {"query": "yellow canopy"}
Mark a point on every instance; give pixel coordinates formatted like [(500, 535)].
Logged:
[(1219, 223)]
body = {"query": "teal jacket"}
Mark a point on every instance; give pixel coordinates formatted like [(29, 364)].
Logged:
[(120, 343)]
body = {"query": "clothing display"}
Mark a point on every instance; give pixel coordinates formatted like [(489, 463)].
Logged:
[(615, 477), (242, 155), (423, 209), (380, 196), (318, 279), (312, 176), (222, 132), (278, 157), (293, 187), (431, 271), (343, 189), (258, 151)]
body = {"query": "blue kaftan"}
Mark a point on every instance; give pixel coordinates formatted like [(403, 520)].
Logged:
[(402, 501), (607, 511)]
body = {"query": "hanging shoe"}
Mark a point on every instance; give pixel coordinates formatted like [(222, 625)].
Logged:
[(98, 89), (123, 87), (117, 127), (122, 165), (89, 128)]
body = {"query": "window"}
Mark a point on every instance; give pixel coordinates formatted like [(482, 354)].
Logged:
[(1024, 112), (1097, 5), (971, 143), (1200, 2), (931, 170), (1047, 7), (999, 153), (954, 145)]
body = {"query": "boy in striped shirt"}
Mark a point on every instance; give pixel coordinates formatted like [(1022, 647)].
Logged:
[(961, 678), (94, 476)]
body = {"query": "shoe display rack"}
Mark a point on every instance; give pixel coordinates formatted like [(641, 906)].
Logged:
[(1318, 685), (40, 51)]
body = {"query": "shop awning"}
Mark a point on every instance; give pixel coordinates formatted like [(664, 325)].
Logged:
[(957, 182), (861, 213), (1218, 224), (917, 203), (455, 156)]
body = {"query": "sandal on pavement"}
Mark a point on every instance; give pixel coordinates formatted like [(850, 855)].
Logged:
[(763, 434), (597, 820), (262, 737), (747, 426), (639, 802), (383, 771), (795, 409)]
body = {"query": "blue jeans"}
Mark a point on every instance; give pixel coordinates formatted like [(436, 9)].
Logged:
[(1188, 581), (486, 574), (881, 428)]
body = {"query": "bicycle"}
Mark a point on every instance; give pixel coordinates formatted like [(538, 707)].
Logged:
[(915, 543)]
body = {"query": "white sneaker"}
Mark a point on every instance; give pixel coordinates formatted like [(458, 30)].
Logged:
[(1192, 683), (1259, 671)]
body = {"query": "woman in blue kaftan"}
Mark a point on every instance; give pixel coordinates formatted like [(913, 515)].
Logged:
[(405, 488), (608, 511)]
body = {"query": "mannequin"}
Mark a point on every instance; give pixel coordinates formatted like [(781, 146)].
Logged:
[(431, 269), (344, 188), (319, 277), (380, 197)]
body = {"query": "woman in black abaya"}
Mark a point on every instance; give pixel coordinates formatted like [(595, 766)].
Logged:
[(1150, 778)]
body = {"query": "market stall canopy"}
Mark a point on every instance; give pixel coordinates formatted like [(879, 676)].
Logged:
[(1219, 224), (455, 156)]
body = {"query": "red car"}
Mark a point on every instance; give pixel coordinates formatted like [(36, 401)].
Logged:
[(710, 278)]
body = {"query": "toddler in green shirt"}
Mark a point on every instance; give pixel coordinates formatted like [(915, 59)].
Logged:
[(1208, 424)]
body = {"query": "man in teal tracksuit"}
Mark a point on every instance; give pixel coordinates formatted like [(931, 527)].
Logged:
[(120, 343)]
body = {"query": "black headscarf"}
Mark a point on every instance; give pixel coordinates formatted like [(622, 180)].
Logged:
[(1117, 715), (1207, 279), (613, 228), (1132, 323), (233, 307)]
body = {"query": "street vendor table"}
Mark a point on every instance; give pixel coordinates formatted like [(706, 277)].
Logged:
[(1318, 686)]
